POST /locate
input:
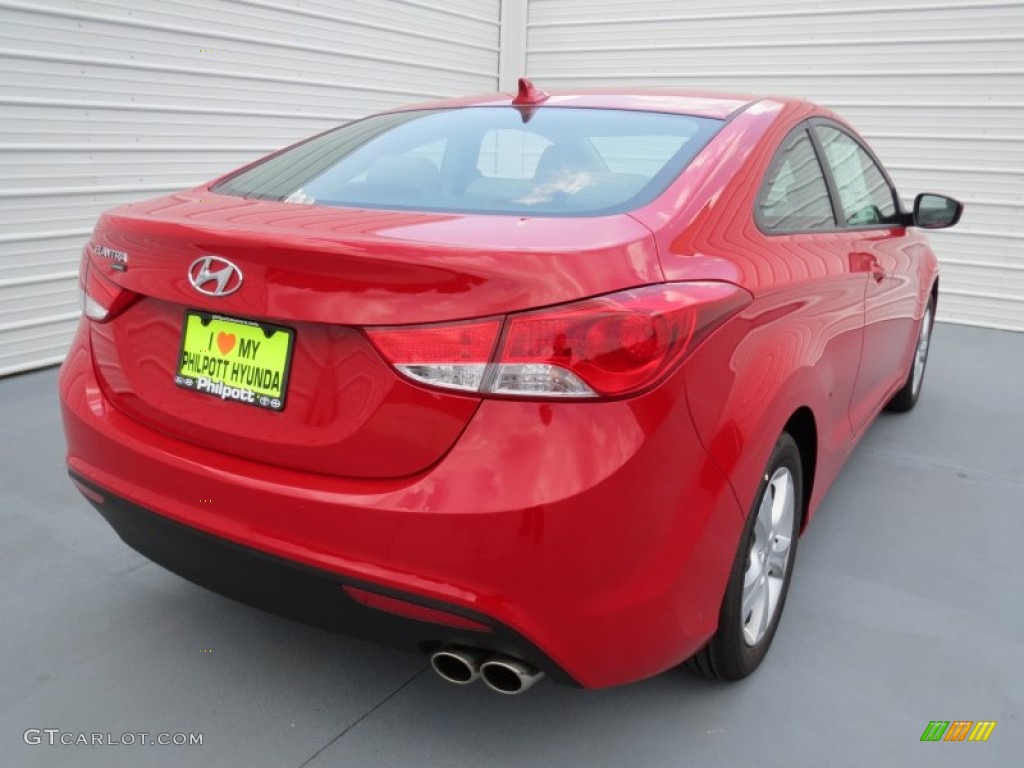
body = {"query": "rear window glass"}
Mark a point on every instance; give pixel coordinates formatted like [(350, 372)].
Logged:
[(550, 161)]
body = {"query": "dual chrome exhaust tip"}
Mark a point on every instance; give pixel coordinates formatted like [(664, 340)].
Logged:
[(503, 674), (458, 665)]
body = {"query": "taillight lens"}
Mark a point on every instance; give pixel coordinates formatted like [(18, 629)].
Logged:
[(452, 356), (93, 309), (613, 344), (608, 346)]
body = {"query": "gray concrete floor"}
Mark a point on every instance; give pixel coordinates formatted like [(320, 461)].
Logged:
[(907, 606)]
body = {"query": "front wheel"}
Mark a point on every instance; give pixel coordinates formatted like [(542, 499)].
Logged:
[(759, 581), (907, 397)]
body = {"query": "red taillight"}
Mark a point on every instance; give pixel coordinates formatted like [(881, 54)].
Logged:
[(603, 347), (451, 356), (614, 344)]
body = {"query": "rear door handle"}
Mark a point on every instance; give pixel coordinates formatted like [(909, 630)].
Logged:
[(875, 269), (861, 261)]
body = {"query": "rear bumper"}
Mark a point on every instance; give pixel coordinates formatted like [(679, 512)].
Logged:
[(286, 588), (593, 539)]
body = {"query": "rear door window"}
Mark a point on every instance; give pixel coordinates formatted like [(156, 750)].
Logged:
[(794, 196)]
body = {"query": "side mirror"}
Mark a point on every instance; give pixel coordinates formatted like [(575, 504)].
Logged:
[(936, 211)]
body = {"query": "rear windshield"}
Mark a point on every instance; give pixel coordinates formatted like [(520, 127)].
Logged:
[(548, 161)]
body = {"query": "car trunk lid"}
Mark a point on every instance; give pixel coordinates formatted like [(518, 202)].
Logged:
[(320, 275)]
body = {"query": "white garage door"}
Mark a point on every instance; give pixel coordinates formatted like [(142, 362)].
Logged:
[(108, 101), (936, 87)]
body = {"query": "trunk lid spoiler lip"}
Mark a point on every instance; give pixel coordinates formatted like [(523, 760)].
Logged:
[(357, 267)]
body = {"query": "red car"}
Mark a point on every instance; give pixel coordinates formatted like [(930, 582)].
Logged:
[(543, 384)]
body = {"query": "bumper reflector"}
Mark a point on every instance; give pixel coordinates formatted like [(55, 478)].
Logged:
[(412, 610), (89, 493)]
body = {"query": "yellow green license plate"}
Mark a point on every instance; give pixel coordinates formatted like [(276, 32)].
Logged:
[(234, 359)]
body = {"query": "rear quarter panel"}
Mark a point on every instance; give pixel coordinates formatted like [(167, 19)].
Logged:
[(799, 343)]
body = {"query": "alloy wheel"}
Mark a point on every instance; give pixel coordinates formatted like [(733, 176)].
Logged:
[(768, 562), (921, 355)]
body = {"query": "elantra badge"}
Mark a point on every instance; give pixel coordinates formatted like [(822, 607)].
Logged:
[(224, 276), (118, 259)]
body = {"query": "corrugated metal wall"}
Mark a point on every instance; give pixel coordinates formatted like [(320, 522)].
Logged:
[(936, 87), (108, 101)]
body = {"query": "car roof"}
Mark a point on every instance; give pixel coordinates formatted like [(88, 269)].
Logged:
[(712, 104)]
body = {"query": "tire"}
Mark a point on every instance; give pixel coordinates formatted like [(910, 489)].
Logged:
[(761, 572), (907, 397)]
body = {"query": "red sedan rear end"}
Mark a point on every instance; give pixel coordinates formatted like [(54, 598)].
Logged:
[(493, 380)]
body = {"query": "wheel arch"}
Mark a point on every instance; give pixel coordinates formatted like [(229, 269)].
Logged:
[(803, 428)]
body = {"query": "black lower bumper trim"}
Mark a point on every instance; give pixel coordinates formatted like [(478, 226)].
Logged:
[(298, 591)]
